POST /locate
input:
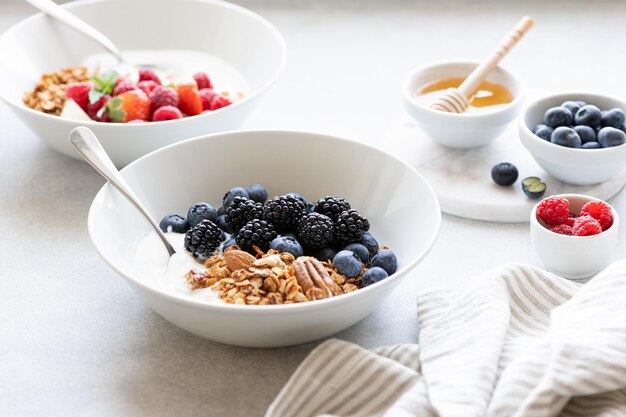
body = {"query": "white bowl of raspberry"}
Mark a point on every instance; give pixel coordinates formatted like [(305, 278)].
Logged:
[(242, 53), (573, 234), (401, 208)]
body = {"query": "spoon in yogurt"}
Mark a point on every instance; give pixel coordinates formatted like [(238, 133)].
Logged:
[(89, 147)]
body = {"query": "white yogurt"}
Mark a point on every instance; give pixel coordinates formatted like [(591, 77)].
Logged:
[(175, 66), (167, 274)]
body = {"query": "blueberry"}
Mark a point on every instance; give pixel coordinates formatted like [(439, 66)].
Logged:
[(591, 145), (588, 115), (504, 173), (558, 116), (221, 210), (174, 223), (385, 259), (221, 222), (586, 133), (613, 118), (201, 211), (296, 195), (347, 264), (609, 137), (287, 244), (571, 106), (370, 243), (565, 136), (543, 131), (257, 193), (533, 187), (580, 103), (326, 254), (359, 250), (230, 242), (231, 194), (373, 275)]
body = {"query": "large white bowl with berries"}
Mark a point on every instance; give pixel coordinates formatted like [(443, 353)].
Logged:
[(242, 53), (389, 203), (578, 138)]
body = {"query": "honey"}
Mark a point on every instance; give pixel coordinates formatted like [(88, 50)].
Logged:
[(488, 94)]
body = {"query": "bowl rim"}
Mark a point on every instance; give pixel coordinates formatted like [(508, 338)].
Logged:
[(535, 223), (220, 3), (544, 144), (273, 309), (407, 92)]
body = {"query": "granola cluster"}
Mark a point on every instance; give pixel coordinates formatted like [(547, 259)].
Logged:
[(48, 96), (270, 278)]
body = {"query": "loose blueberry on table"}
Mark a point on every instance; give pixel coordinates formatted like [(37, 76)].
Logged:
[(576, 124), (505, 174), (595, 217), (281, 251)]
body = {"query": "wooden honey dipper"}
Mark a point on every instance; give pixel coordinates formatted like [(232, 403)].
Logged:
[(456, 100)]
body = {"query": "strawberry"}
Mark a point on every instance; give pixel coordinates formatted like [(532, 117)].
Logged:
[(131, 105), (189, 101), (79, 92), (206, 96)]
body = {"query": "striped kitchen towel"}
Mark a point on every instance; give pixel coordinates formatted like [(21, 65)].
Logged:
[(516, 341)]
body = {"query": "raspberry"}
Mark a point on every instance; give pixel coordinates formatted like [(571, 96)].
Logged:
[(94, 108), (218, 102), (203, 81), (570, 221), (206, 95), (553, 210), (166, 113), (562, 229), (79, 92), (146, 74), (600, 211), (147, 86), (586, 226), (122, 87), (163, 96), (188, 99)]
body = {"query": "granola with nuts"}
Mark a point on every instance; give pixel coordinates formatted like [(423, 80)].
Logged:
[(269, 278), (48, 96)]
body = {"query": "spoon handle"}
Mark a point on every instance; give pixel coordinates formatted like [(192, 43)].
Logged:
[(90, 148), (62, 15)]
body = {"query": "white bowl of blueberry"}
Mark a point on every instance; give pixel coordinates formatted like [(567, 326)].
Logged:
[(331, 231), (577, 138)]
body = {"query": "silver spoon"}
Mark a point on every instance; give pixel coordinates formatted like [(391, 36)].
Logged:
[(62, 15), (87, 144)]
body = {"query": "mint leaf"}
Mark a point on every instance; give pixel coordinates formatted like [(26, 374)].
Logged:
[(95, 95), (105, 83)]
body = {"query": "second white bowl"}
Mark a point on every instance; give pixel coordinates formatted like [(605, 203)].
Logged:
[(464, 130)]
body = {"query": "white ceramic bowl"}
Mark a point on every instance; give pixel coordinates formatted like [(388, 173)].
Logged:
[(402, 208), (574, 257), (240, 37), (464, 130), (570, 165)]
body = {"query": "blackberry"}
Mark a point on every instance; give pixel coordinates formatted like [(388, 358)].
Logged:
[(350, 226), (284, 212), (316, 230), (256, 233), (331, 206), (241, 211), (202, 239)]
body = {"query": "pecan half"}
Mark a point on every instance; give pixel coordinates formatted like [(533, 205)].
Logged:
[(314, 279)]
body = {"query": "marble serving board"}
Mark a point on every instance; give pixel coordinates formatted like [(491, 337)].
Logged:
[(462, 178)]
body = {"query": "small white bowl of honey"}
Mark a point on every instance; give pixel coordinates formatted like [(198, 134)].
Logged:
[(497, 103)]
